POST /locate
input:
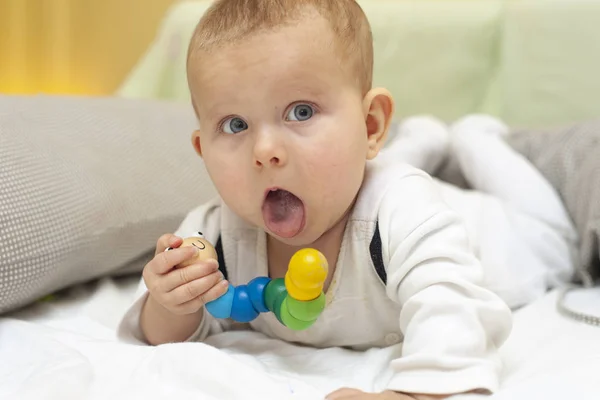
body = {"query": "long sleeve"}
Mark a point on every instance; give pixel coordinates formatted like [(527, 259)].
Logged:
[(452, 326)]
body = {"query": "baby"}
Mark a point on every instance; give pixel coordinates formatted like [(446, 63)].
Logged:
[(290, 127)]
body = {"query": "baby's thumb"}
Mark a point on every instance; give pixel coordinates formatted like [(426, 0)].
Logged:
[(167, 241)]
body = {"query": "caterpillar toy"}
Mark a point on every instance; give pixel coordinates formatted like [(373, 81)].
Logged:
[(296, 300)]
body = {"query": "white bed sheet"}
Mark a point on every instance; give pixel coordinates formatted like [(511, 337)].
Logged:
[(67, 349)]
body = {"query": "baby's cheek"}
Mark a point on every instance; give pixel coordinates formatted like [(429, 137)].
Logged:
[(222, 169), (224, 179), (337, 184), (342, 165), (231, 184)]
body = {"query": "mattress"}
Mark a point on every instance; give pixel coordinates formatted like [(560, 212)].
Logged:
[(66, 348)]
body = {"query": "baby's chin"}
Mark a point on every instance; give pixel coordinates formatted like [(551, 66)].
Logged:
[(303, 239), (307, 237), (292, 242), (311, 236)]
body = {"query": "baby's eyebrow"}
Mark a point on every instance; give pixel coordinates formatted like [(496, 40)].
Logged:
[(294, 90), (314, 89), (217, 108)]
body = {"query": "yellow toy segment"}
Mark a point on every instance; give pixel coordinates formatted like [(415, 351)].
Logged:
[(306, 274)]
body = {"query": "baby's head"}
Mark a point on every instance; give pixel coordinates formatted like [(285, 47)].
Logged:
[(288, 118)]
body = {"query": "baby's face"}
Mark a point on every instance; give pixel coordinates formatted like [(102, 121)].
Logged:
[(282, 130)]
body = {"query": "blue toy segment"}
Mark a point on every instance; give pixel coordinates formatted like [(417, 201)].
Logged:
[(256, 288), (221, 307), (243, 310)]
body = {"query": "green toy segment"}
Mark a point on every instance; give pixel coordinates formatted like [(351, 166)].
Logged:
[(278, 304), (306, 310), (295, 314), (272, 291), (288, 320)]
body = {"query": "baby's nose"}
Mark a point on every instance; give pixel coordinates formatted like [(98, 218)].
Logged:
[(274, 161), (269, 150)]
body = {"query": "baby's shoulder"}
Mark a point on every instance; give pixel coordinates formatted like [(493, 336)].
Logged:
[(399, 183), (384, 175)]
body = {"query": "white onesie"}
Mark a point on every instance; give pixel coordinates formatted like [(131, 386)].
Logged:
[(433, 302)]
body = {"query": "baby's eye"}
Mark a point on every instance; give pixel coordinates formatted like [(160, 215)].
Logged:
[(300, 112), (234, 125)]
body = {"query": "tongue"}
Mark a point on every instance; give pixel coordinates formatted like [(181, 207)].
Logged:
[(283, 213)]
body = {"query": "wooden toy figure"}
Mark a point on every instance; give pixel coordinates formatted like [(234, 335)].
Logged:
[(296, 300)]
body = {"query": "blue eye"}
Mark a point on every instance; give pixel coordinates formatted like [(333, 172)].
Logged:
[(234, 125), (300, 112)]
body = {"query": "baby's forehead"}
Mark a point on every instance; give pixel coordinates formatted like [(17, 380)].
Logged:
[(266, 87), (293, 57), (305, 37)]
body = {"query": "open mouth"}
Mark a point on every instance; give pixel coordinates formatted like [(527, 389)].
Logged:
[(283, 213)]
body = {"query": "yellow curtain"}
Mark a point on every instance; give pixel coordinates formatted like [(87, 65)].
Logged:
[(73, 46)]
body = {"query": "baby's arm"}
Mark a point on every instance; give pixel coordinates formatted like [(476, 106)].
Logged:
[(159, 325), (452, 326), (149, 321)]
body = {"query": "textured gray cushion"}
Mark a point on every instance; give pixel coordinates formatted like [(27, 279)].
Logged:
[(569, 158), (87, 185)]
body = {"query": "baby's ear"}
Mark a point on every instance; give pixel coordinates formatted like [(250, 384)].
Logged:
[(378, 107), (196, 142), (196, 134)]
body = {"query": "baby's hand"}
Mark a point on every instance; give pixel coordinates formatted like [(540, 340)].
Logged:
[(182, 290)]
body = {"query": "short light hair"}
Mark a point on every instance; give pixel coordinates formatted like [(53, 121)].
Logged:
[(227, 21)]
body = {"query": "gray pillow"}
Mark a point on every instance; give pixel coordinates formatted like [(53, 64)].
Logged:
[(569, 158), (87, 185)]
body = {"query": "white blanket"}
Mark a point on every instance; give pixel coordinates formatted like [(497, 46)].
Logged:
[(67, 349)]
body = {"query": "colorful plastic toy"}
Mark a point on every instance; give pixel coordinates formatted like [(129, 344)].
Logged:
[(296, 300)]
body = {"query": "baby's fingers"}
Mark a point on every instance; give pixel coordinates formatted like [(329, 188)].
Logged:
[(212, 294), (166, 241), (165, 261), (194, 289), (181, 276)]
